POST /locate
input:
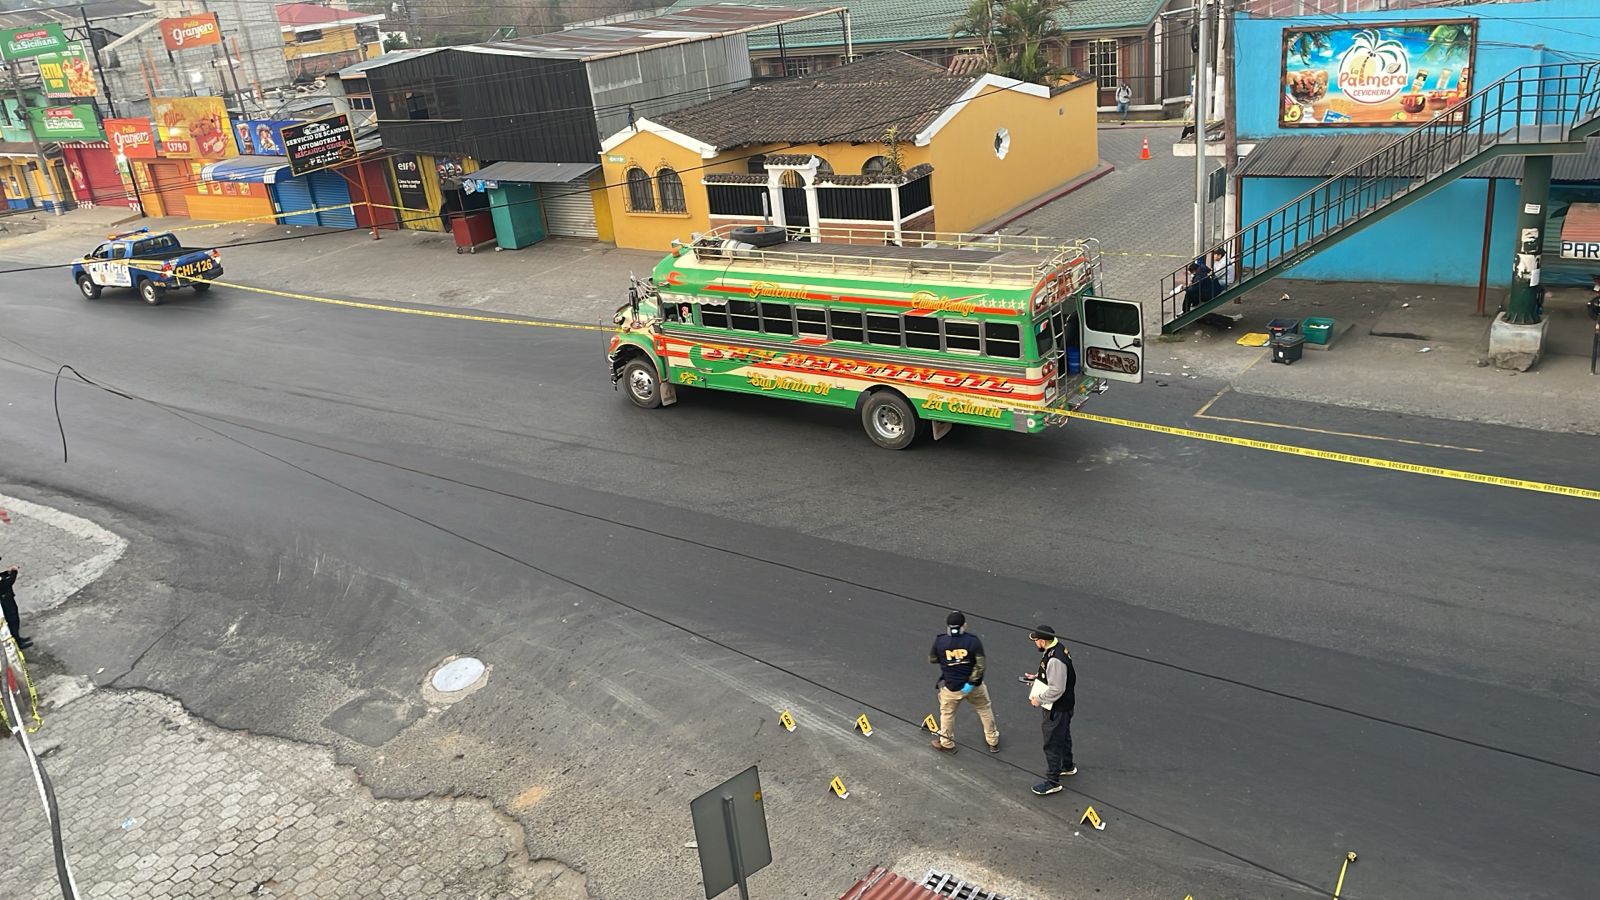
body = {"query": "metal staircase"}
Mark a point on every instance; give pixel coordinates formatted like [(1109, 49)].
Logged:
[(1534, 111)]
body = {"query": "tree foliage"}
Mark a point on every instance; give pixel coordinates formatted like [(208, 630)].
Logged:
[(1016, 35)]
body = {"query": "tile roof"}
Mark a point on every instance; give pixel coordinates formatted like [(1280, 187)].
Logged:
[(854, 103), (907, 21), (881, 884)]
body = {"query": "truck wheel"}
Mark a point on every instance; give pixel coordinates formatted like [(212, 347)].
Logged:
[(91, 291), (643, 383), (200, 287), (889, 420), (149, 291)]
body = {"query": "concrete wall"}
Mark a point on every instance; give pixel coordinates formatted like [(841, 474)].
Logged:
[(1508, 36), (1052, 141), (1439, 240)]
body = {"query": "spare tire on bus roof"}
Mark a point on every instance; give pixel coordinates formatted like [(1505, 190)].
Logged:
[(759, 235)]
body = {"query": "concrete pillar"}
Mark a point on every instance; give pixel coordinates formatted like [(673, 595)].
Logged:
[(894, 210), (813, 211), (775, 197), (1516, 339)]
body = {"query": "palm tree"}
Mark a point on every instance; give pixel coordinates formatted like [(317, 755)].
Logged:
[(1015, 34)]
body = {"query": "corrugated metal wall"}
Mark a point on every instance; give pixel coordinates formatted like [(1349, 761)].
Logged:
[(659, 81)]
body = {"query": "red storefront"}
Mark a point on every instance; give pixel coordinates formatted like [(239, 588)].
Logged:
[(92, 171)]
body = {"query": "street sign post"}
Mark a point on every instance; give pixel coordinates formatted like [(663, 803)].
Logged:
[(730, 830)]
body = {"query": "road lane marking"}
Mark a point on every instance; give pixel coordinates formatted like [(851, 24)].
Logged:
[(1201, 414), (1349, 458)]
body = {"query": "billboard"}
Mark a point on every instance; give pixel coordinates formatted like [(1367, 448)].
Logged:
[(68, 73), (408, 181), (317, 145), (77, 122), (1375, 74), (31, 40), (131, 138), (261, 137), (191, 31), (192, 127)]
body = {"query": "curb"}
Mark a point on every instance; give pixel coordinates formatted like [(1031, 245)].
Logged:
[(1037, 203)]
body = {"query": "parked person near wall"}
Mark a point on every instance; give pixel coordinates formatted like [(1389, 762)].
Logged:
[(1124, 97)]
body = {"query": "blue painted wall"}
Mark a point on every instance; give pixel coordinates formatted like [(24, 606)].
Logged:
[(1509, 35), (1438, 240)]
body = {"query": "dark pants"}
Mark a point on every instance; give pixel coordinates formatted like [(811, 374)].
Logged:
[(8, 606), (1057, 743)]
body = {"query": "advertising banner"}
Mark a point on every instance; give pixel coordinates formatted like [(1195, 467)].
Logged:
[(408, 181), (31, 40), (193, 127), (68, 73), (317, 145), (261, 137), (77, 122), (191, 31), (1391, 73), (131, 138)]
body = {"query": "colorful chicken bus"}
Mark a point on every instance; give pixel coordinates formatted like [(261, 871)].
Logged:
[(941, 330)]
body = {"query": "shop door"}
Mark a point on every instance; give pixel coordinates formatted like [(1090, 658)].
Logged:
[(293, 198), (568, 209), (330, 189), (171, 181), (99, 170)]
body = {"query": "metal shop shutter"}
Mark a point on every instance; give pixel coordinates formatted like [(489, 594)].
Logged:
[(294, 196), (330, 189), (171, 180), (568, 211)]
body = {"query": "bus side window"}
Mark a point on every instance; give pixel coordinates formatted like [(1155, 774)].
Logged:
[(884, 330), (813, 322), (777, 318), (1002, 339), (922, 333), (959, 335), (742, 315), (846, 325), (714, 316)]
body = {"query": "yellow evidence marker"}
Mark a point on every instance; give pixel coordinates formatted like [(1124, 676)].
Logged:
[(931, 725), (837, 786), (1093, 818), (863, 726), (787, 721)]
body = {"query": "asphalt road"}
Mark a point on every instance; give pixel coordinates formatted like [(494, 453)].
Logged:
[(1280, 659)]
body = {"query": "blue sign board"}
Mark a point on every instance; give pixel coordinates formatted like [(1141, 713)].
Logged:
[(261, 137)]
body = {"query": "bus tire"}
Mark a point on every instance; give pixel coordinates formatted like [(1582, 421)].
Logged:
[(760, 235), (149, 291), (91, 291), (642, 383), (889, 420)]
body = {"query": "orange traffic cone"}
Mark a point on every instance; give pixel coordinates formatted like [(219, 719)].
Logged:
[(1144, 152)]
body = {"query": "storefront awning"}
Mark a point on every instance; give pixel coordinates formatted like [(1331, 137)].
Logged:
[(248, 169), (534, 172), (1580, 233)]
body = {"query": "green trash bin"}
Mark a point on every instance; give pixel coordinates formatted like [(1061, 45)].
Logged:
[(1316, 329)]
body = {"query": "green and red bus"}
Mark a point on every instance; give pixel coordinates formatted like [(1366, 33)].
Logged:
[(941, 330)]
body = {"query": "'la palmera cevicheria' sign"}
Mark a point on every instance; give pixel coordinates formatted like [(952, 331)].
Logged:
[(1399, 73)]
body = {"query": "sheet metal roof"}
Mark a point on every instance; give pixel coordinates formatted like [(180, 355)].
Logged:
[(1319, 156), (534, 172), (676, 27), (302, 16)]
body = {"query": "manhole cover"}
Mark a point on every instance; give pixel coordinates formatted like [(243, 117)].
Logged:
[(457, 675)]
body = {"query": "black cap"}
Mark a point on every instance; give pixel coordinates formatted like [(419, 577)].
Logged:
[(955, 620), (1042, 633)]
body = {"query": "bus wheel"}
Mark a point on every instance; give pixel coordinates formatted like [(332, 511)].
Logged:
[(889, 420), (644, 385)]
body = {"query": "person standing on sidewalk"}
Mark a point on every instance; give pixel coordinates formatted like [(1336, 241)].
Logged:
[(8, 607), (959, 657), (1055, 700), (1124, 97)]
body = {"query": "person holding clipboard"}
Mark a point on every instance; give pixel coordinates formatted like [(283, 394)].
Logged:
[(1053, 690)]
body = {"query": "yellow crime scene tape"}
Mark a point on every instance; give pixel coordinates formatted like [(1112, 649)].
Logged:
[(1348, 458), (275, 215)]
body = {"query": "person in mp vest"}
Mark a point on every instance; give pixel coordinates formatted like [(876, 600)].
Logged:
[(1056, 702), (960, 659)]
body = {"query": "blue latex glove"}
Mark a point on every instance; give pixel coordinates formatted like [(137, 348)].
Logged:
[(967, 688)]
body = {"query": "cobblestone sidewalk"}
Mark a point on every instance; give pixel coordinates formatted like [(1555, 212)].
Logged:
[(155, 804)]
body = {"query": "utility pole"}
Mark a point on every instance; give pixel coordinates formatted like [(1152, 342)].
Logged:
[(1230, 138), (1202, 102), (45, 175)]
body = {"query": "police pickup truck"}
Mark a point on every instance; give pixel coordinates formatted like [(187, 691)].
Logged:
[(151, 264)]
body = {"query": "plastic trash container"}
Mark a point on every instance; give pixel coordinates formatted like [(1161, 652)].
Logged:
[(1317, 329), (1283, 326), (1287, 348)]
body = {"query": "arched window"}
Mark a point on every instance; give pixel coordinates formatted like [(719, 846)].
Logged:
[(641, 196), (824, 167), (877, 165), (791, 179), (670, 187), (756, 165)]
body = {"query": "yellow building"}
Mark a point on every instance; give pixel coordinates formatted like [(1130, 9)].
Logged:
[(869, 151), (320, 40)]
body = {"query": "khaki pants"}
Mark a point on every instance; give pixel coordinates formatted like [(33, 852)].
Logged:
[(979, 698)]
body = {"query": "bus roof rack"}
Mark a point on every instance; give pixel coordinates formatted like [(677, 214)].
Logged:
[(964, 257)]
